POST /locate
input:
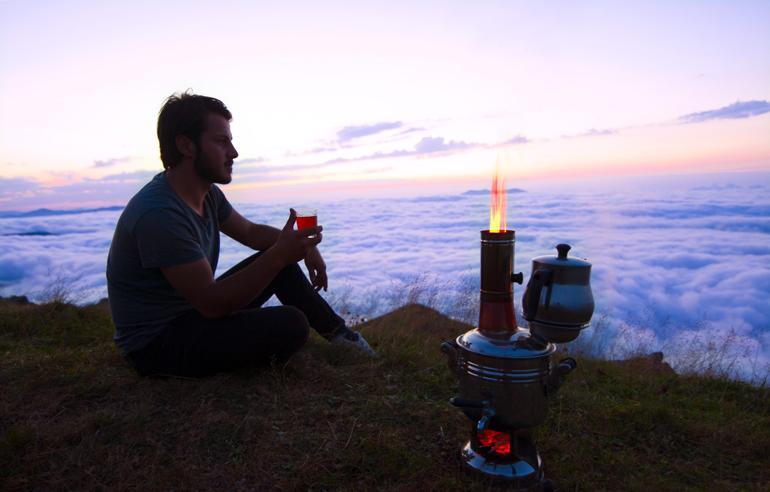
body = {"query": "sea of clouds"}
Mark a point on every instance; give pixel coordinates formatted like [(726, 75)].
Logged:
[(684, 270)]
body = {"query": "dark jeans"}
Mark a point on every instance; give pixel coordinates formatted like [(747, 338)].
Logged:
[(195, 346)]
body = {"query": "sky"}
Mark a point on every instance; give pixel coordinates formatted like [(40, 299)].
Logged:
[(346, 99)]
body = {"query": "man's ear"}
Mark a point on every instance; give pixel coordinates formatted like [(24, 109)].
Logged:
[(185, 146)]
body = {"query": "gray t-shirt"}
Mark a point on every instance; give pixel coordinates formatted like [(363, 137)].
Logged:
[(157, 229)]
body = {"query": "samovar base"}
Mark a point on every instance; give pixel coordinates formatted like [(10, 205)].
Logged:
[(524, 474)]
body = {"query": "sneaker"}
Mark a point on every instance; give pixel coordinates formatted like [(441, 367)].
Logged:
[(353, 339)]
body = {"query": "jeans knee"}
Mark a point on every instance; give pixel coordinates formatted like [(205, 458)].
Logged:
[(291, 271), (296, 326)]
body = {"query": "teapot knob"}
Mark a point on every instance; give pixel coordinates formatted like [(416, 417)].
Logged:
[(563, 249)]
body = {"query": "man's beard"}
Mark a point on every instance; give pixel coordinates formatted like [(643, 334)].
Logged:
[(207, 171)]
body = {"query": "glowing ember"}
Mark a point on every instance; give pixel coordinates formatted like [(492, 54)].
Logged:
[(500, 442), (497, 206)]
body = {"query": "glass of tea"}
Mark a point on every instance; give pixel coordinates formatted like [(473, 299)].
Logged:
[(306, 217)]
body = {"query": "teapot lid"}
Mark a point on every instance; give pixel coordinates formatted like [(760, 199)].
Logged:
[(561, 260)]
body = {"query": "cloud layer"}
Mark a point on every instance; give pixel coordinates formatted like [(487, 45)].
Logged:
[(670, 269)]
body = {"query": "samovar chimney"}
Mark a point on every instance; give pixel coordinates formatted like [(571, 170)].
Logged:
[(497, 316)]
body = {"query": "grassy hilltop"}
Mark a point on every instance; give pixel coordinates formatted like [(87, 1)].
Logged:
[(74, 416)]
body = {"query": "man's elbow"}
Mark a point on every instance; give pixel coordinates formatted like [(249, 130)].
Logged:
[(212, 314), (212, 310)]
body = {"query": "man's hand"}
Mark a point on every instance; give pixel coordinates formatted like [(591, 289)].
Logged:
[(316, 268), (292, 245)]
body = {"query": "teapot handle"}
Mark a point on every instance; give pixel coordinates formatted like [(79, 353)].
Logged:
[(539, 279)]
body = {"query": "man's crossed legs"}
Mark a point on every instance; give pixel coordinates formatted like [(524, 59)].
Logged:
[(195, 346)]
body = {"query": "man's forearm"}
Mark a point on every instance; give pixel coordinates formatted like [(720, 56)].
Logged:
[(239, 289), (261, 237)]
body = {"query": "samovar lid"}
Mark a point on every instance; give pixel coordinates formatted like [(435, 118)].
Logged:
[(520, 345)]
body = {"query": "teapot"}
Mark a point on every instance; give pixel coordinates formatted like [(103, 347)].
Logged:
[(558, 302)]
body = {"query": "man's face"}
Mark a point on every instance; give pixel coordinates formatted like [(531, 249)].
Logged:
[(215, 154)]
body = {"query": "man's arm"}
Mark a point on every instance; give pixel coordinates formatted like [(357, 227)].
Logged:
[(215, 299), (256, 236), (261, 237)]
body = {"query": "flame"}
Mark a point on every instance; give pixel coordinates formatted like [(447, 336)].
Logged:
[(497, 206)]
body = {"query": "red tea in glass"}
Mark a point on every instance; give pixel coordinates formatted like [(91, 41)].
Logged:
[(306, 219), (304, 222)]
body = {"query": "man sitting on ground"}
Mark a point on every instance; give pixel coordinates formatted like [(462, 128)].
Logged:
[(172, 317)]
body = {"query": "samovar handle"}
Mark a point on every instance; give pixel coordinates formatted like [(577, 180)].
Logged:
[(559, 374), (450, 349)]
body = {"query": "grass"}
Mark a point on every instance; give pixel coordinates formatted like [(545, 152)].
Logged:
[(73, 416)]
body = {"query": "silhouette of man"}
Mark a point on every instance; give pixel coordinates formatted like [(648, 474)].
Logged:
[(172, 317)]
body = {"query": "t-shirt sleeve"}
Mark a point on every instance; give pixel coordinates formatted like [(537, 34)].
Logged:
[(165, 239), (223, 206)]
